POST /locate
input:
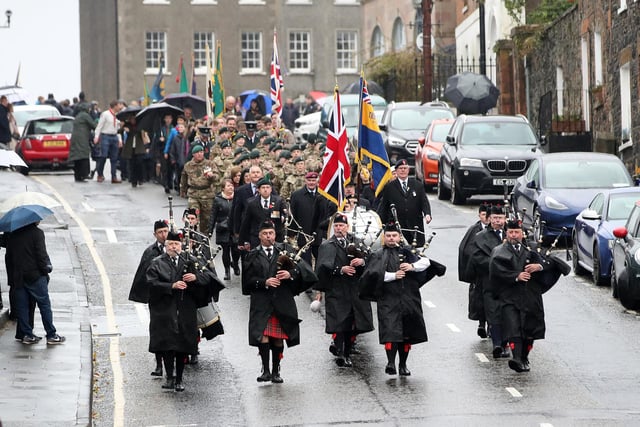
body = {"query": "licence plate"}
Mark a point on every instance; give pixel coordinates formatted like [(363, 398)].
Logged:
[(500, 181), (58, 143)]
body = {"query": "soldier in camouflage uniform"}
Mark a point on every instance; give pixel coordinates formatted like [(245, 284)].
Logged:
[(294, 181), (197, 183), (224, 161)]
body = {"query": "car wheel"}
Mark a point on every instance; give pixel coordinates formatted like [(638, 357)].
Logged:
[(443, 193), (456, 196), (627, 293), (598, 280), (578, 270), (614, 281)]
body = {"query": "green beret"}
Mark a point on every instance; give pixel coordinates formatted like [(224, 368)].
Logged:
[(238, 136), (239, 150), (226, 143), (196, 149), (269, 141), (241, 159), (223, 129), (263, 181), (285, 153), (296, 147), (298, 159), (311, 138), (254, 154), (261, 134)]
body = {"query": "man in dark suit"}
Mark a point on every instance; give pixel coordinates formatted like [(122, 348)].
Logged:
[(265, 206), (140, 287), (241, 196), (301, 204), (410, 201)]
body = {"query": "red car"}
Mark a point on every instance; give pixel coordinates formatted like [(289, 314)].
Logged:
[(428, 152), (45, 142)]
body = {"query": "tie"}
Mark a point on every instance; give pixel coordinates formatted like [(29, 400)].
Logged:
[(269, 253), (266, 204), (175, 260), (343, 243), (253, 189), (517, 247), (499, 234), (404, 186)]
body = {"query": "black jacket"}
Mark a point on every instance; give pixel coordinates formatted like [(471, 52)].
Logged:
[(219, 220), (301, 206), (26, 258), (255, 214), (241, 197), (410, 207), (140, 287)]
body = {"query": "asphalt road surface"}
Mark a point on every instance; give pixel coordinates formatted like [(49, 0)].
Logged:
[(585, 372)]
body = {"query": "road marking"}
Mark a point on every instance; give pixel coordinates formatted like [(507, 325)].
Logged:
[(87, 207), (111, 235), (453, 327), (546, 425), (481, 357), (513, 392), (429, 304), (112, 327), (143, 312)]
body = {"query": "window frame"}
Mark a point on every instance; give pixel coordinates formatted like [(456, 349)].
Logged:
[(259, 56), (163, 52), (202, 69), (294, 52), (340, 51)]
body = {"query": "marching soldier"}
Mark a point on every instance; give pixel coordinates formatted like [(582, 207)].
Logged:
[(197, 183), (224, 161), (204, 140), (294, 181)]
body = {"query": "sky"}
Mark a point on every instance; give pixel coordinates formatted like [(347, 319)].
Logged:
[(44, 40)]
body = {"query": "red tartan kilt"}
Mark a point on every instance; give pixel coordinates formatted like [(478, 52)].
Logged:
[(274, 329)]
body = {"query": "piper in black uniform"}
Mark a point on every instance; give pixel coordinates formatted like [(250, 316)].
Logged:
[(173, 301), (466, 274), (140, 287), (340, 264), (408, 197), (393, 278), (273, 282), (520, 276)]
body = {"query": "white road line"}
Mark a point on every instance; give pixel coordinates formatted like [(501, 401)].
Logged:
[(429, 304), (112, 327), (513, 392), (87, 207), (453, 327), (481, 357), (111, 235), (546, 425), (143, 312)]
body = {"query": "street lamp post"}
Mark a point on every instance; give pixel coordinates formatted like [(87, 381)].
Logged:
[(8, 14)]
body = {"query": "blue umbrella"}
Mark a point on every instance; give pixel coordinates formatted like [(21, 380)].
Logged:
[(263, 98), (23, 215)]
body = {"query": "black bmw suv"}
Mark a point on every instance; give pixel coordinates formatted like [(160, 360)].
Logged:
[(402, 123), (481, 153)]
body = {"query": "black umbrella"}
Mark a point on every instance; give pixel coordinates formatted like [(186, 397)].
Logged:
[(372, 87), (125, 114), (186, 100), (150, 117), (471, 93)]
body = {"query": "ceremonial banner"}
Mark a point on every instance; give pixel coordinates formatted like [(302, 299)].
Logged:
[(277, 84)]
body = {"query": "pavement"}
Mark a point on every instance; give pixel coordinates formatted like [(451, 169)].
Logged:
[(44, 384)]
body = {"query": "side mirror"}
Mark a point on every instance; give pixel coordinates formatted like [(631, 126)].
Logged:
[(451, 140), (543, 140), (620, 232), (382, 127), (590, 214), (421, 141), (532, 185)]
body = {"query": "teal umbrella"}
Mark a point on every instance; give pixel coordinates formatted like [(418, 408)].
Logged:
[(23, 215)]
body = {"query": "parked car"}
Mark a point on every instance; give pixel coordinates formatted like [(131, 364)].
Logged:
[(24, 113), (593, 231), (482, 153), (350, 104), (557, 186), (403, 123), (428, 152), (45, 142), (625, 268), (304, 125)]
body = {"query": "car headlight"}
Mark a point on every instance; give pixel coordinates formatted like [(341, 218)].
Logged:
[(636, 257), (470, 163), (554, 204), (432, 154), (396, 142)]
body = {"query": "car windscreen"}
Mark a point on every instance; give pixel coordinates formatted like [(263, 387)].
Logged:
[(498, 133), (23, 116), (585, 174), (620, 205), (416, 119), (48, 127), (439, 132)]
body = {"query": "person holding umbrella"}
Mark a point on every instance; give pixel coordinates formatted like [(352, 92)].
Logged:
[(135, 147), (28, 268)]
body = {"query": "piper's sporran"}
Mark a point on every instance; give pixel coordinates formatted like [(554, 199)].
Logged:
[(208, 315)]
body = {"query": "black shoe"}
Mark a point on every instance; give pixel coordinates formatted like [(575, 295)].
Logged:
[(158, 371), (525, 364), (517, 365), (167, 191), (390, 369), (482, 332), (92, 174), (402, 370), (30, 339), (236, 270), (227, 273), (340, 359), (265, 377), (276, 378), (193, 360), (506, 353), (497, 352), (333, 349), (170, 383), (179, 386), (348, 363)]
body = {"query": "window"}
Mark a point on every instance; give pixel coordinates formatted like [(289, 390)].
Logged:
[(299, 51), (251, 52), (625, 104), (200, 42), (377, 42), (584, 67), (299, 2), (597, 58), (347, 51), (251, 2), (559, 91), (204, 2), (155, 50), (398, 36), (156, 2), (623, 6), (346, 2)]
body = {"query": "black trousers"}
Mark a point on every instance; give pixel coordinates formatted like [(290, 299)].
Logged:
[(136, 169), (81, 169)]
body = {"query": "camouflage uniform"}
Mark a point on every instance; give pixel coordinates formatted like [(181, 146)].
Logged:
[(224, 164), (293, 182), (200, 190)]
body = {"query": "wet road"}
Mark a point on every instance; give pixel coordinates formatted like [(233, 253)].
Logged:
[(584, 373)]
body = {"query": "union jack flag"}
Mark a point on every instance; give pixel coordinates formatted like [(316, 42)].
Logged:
[(336, 171), (277, 84)]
